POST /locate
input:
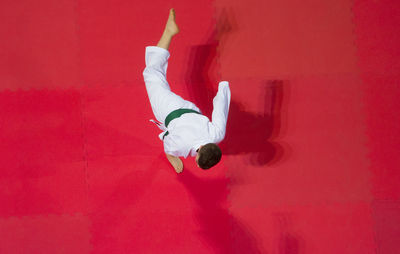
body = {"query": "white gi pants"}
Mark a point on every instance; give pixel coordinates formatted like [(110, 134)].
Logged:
[(162, 100)]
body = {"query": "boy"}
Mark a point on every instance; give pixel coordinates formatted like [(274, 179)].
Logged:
[(185, 130)]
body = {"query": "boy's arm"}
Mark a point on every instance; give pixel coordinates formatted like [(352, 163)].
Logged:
[(221, 109), (175, 162)]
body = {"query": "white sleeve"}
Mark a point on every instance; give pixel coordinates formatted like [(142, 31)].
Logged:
[(172, 146), (221, 110)]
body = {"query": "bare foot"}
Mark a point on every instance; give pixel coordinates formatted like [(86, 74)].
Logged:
[(171, 27)]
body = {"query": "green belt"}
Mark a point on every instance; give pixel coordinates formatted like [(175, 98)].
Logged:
[(175, 114)]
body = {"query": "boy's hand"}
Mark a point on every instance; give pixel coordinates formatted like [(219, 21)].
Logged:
[(176, 163)]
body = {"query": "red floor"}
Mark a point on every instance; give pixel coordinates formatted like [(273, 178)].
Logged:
[(311, 159)]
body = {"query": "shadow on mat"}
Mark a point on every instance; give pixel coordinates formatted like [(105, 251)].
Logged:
[(289, 242), (247, 132), (222, 231)]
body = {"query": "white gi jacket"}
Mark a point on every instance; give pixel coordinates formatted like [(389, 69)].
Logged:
[(188, 132)]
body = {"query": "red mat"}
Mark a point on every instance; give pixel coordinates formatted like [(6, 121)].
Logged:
[(310, 162)]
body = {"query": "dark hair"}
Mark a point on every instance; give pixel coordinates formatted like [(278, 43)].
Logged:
[(209, 155)]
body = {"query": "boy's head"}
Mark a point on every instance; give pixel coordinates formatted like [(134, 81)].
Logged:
[(208, 155)]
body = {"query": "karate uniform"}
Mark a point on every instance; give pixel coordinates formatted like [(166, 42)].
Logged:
[(185, 134)]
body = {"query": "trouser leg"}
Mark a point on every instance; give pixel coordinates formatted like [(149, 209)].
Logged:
[(162, 100)]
